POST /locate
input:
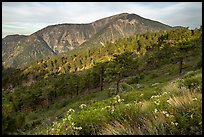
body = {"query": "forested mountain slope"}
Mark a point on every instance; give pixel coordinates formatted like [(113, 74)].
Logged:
[(146, 70), (56, 39)]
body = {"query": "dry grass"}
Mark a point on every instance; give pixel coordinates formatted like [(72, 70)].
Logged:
[(146, 106), (184, 100), (173, 89), (153, 124), (119, 128)]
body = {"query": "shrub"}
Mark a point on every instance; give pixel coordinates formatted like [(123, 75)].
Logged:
[(153, 75), (126, 87), (136, 79), (199, 64), (191, 80)]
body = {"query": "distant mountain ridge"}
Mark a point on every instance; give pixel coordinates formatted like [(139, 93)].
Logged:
[(18, 50)]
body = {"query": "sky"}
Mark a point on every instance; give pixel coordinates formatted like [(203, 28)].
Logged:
[(26, 18)]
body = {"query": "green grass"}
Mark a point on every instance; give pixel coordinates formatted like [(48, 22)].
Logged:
[(154, 82), (139, 106)]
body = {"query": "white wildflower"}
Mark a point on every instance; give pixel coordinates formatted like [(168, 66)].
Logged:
[(168, 101), (194, 99), (82, 106), (191, 116), (164, 112), (172, 123), (164, 93), (70, 118), (139, 103), (141, 95), (64, 120), (167, 115), (117, 97), (78, 128), (107, 107), (157, 102), (155, 84), (171, 116), (127, 105), (73, 123), (112, 110), (152, 97), (71, 110)]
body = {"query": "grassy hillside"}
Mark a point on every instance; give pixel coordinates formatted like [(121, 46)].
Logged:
[(163, 105), (125, 87)]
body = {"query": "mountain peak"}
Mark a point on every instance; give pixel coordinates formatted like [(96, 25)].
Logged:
[(14, 35), (59, 38), (121, 14), (126, 15), (13, 38)]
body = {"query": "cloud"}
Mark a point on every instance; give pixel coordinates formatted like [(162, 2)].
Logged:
[(28, 17)]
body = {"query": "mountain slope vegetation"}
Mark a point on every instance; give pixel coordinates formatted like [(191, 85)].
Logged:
[(120, 87)]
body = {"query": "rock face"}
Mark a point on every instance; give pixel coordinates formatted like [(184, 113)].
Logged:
[(18, 50)]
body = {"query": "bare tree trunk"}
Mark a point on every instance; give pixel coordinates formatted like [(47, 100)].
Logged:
[(55, 94), (77, 88), (71, 95), (117, 84), (101, 77), (180, 65), (47, 101)]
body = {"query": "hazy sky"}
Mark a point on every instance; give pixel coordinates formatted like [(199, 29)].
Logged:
[(28, 17)]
